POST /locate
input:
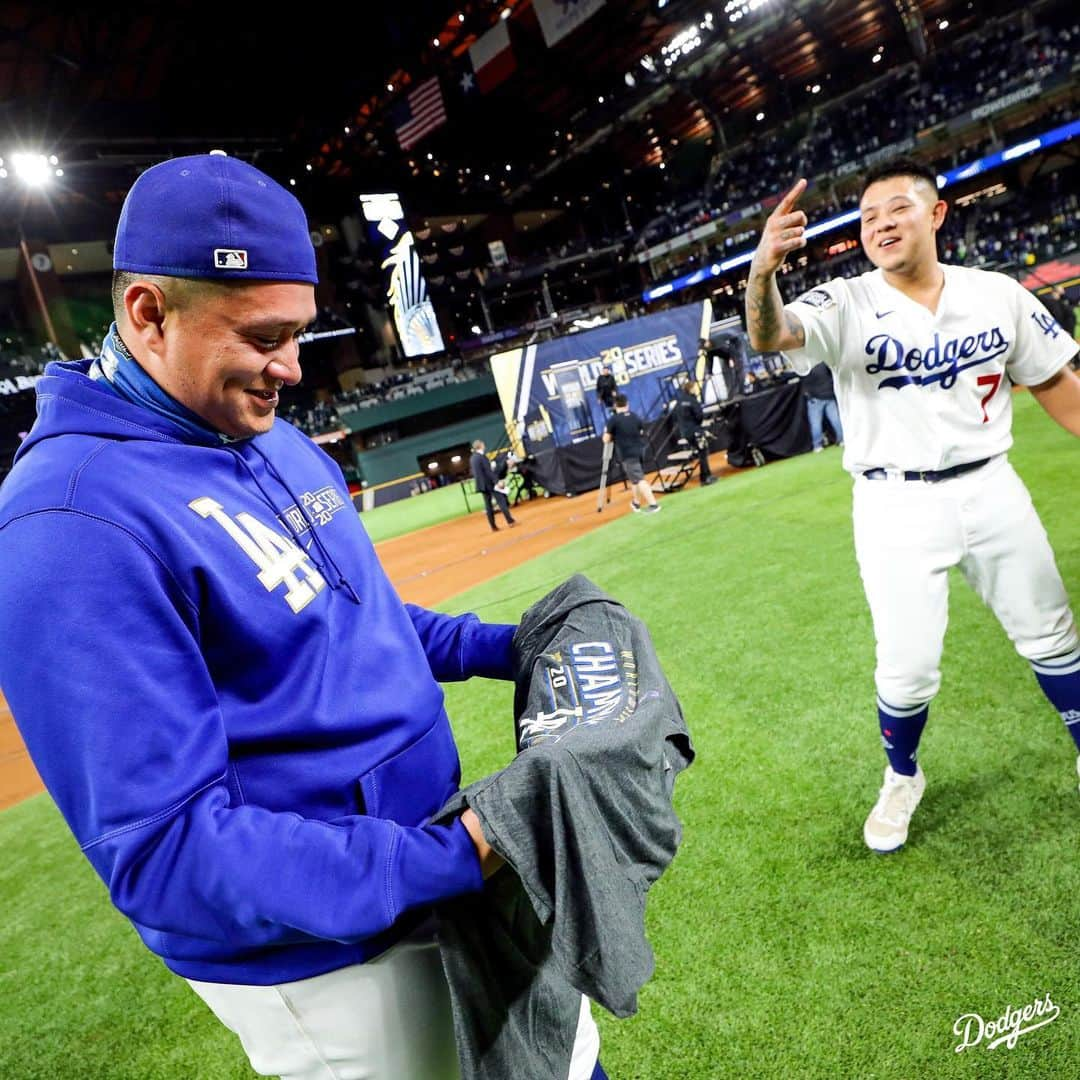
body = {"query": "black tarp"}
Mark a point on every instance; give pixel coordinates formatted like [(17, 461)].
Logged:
[(773, 420)]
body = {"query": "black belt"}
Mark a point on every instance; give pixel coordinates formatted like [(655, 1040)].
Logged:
[(930, 476)]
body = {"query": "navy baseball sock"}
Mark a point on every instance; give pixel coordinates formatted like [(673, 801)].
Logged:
[(598, 1072), (901, 729), (1059, 678)]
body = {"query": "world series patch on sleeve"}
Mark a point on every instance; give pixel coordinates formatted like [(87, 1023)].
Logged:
[(818, 298)]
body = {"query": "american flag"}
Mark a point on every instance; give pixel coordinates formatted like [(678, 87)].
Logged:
[(420, 113)]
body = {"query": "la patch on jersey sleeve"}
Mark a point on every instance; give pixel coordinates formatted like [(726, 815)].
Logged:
[(819, 298)]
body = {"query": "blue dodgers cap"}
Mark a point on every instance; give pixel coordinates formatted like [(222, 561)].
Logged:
[(213, 216)]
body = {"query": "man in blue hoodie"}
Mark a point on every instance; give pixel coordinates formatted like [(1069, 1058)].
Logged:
[(239, 719)]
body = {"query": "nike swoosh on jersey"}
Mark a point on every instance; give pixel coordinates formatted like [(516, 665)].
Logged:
[(881, 314)]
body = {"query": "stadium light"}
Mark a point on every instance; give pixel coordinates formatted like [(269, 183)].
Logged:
[(736, 9), (32, 169), (681, 45)]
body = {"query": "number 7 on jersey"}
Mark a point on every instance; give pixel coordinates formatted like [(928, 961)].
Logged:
[(993, 381)]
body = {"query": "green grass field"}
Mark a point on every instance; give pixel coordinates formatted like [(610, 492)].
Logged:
[(784, 948), (432, 508)]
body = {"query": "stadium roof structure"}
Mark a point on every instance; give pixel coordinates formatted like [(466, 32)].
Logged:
[(110, 90)]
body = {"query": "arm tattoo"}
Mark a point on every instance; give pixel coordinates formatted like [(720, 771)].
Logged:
[(770, 324), (761, 312), (795, 327)]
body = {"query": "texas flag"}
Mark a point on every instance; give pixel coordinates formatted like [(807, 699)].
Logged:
[(491, 58)]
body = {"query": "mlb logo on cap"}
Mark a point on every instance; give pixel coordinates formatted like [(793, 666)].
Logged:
[(230, 259)]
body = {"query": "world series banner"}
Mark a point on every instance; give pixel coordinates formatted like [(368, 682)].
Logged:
[(548, 390)]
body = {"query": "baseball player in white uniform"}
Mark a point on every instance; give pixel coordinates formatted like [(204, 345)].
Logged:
[(924, 358)]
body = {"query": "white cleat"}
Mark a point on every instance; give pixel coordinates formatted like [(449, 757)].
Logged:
[(886, 828)]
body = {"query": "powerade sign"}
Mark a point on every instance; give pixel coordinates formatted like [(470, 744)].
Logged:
[(549, 390)]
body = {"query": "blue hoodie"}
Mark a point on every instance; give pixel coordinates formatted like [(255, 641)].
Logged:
[(237, 716)]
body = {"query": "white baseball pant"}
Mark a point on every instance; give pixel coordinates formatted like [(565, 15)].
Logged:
[(907, 536), (388, 1019)]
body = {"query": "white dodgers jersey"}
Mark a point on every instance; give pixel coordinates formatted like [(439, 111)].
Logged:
[(920, 390)]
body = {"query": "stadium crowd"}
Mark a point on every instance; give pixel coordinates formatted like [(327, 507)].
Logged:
[(324, 416), (408, 383), (974, 70), (320, 417)]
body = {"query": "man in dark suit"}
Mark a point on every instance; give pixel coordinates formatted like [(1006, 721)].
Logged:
[(488, 486)]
